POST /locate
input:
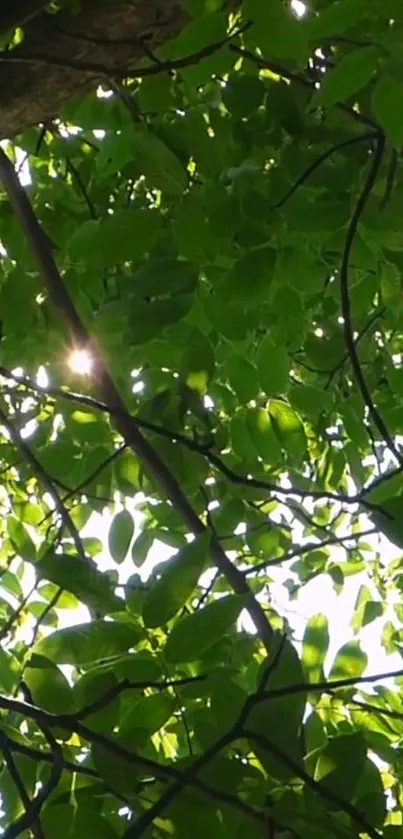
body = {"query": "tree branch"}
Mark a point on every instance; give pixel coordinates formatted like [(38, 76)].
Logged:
[(318, 787), (46, 481), (154, 465)]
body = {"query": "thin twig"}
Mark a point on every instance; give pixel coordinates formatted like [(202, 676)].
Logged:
[(318, 787), (46, 481), (345, 298), (29, 818), (368, 135)]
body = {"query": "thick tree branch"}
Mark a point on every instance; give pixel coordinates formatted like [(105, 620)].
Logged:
[(127, 427), (47, 720), (116, 34)]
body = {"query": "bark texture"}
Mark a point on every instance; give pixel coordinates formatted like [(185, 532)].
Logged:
[(50, 66)]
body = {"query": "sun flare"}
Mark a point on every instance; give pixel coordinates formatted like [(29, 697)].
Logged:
[(80, 361)]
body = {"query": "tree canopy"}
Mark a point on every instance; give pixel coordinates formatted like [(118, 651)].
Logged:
[(201, 347)]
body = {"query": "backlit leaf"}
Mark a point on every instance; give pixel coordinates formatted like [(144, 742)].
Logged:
[(178, 579), (120, 535), (88, 642), (195, 633)]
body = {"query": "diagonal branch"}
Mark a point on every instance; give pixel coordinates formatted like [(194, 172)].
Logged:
[(153, 464), (164, 772), (318, 787), (29, 818), (203, 449), (115, 691), (45, 480)]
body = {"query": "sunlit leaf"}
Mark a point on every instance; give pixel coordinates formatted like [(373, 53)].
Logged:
[(315, 646), (88, 642), (178, 579), (340, 764), (349, 661), (195, 633), (120, 535)]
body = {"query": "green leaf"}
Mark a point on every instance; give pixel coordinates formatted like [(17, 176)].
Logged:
[(387, 103), (48, 686), (263, 435), (88, 642), (209, 28), (287, 671), (243, 94), (337, 18), (162, 277), (118, 774), (309, 399), (126, 471), (195, 633), (155, 93), (391, 284), (146, 716), (9, 672), (178, 579), (288, 427), (149, 318), (252, 275), (198, 362), (276, 31), (241, 439), (349, 661), (122, 236), (366, 609), (389, 519), (160, 166), (349, 76), (370, 795), (391, 483), (341, 763), (83, 579), (191, 230), (242, 377), (278, 719), (273, 366), (21, 540), (284, 739), (91, 687), (141, 547), (11, 803), (78, 822), (120, 535), (138, 667), (315, 645)]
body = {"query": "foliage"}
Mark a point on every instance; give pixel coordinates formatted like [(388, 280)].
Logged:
[(222, 233)]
